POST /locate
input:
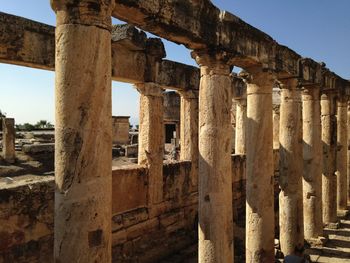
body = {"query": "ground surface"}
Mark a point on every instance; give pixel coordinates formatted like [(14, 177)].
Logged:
[(337, 249)]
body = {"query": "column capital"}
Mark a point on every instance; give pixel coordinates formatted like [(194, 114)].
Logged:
[(189, 94), (289, 83), (258, 75), (212, 61), (84, 12), (150, 89)]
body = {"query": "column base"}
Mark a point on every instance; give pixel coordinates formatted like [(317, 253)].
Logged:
[(332, 225), (316, 242), (343, 213)]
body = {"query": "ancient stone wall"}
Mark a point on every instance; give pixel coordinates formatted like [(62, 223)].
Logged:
[(120, 132), (139, 233)]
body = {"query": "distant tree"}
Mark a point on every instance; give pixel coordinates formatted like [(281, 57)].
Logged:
[(27, 127), (2, 114), (137, 126), (43, 124)]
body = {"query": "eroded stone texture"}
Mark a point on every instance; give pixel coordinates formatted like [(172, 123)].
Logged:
[(276, 126), (260, 182), (8, 141), (151, 137), (83, 131), (312, 180), (189, 132), (240, 99), (291, 169), (120, 129), (342, 141), (215, 181), (329, 179)]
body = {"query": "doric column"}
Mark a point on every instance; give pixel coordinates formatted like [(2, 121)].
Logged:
[(189, 132), (276, 126), (291, 168), (260, 182), (329, 179), (342, 141), (215, 178), (312, 154), (240, 98), (83, 129), (8, 140), (151, 137)]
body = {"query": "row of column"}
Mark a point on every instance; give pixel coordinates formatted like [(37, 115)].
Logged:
[(83, 144), (313, 148)]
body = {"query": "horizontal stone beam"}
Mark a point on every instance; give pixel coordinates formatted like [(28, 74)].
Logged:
[(135, 58), (199, 24), (26, 43)]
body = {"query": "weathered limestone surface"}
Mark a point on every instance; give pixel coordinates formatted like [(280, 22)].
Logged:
[(329, 179), (342, 140), (291, 168), (26, 219), (8, 141), (120, 129), (276, 126), (312, 180), (215, 181), (38, 148), (28, 43), (189, 132), (260, 182), (83, 132), (348, 164), (240, 99), (151, 137)]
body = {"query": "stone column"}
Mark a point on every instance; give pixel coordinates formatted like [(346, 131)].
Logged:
[(151, 138), (342, 141), (290, 168), (260, 183), (8, 140), (241, 122), (215, 180), (329, 179), (83, 129), (276, 126), (312, 154), (189, 132), (348, 152)]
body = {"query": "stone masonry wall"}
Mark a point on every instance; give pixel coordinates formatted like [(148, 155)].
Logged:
[(139, 233)]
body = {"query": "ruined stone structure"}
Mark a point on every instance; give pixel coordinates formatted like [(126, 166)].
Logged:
[(171, 115), (8, 139), (120, 130), (150, 211)]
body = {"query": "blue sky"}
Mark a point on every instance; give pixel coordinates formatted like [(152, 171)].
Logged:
[(319, 29)]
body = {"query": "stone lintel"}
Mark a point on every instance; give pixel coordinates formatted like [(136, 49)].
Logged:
[(177, 76), (201, 25), (32, 44)]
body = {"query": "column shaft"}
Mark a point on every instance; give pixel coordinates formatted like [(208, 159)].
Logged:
[(260, 182), (8, 140), (189, 132), (215, 180), (291, 169), (241, 122), (312, 154), (342, 141), (329, 179), (151, 138), (83, 129), (276, 126)]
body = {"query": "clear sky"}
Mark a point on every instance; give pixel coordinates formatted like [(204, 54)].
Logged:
[(319, 29)]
